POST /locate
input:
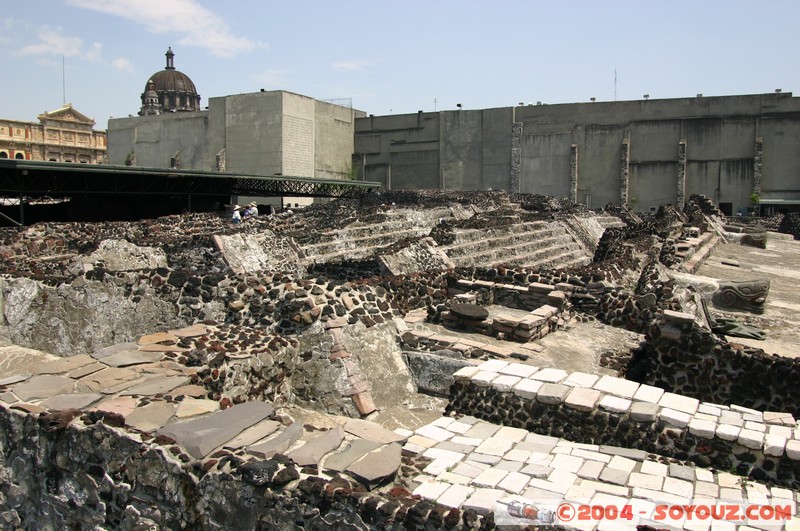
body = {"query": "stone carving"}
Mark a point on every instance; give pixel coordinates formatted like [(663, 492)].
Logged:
[(742, 294), (755, 239)]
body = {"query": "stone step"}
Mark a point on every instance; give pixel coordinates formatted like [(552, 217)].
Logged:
[(509, 240), (538, 257), (363, 231), (359, 247), (469, 237)]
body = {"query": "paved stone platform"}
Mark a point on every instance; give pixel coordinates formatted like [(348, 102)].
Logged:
[(487, 467)]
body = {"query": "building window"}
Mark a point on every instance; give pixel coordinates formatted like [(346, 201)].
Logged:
[(19, 156), (3, 155)]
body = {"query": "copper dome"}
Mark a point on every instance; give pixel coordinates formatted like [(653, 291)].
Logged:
[(176, 91), (171, 80)]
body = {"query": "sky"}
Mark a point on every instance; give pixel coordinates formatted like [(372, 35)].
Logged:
[(393, 57)]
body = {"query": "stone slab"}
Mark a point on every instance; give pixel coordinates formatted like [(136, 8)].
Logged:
[(122, 405), (191, 407), (15, 378), (206, 433), (151, 417), (157, 386), (128, 358), (43, 386), (312, 452), (86, 370), (617, 386), (377, 466), (196, 330), (371, 431), (253, 434), (552, 393), (644, 411), (353, 451), (192, 391), (278, 444), (158, 338), (63, 365), (113, 349), (71, 401)]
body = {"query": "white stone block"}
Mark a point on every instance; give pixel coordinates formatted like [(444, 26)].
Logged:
[(550, 375), (431, 490), (751, 439), (465, 373), (504, 383), (434, 432), (483, 378), (520, 370), (622, 463), (514, 482), (678, 419), (469, 441), (527, 388), (581, 379), (615, 404), (655, 469), (489, 478), (703, 428), (443, 422), (495, 446), (512, 434), (774, 445), (647, 481), (617, 386), (755, 426), (455, 495), (566, 462), (681, 403), (482, 501), (492, 365), (728, 432), (582, 398), (793, 449), (648, 393)]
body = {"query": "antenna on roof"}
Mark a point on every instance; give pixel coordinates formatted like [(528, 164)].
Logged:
[(63, 82)]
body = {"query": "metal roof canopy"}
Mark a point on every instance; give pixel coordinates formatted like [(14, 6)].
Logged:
[(40, 178)]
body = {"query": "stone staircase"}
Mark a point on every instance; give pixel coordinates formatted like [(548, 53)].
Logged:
[(536, 244), (361, 241)]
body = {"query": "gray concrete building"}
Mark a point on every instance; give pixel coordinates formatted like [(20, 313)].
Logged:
[(741, 151), (262, 133)]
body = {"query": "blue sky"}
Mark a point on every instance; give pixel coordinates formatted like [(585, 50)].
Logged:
[(394, 57)]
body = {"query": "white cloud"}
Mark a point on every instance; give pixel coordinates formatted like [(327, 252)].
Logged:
[(53, 42), (197, 25), (350, 66), (122, 64)]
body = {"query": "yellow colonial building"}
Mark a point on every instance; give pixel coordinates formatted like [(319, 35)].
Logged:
[(63, 135)]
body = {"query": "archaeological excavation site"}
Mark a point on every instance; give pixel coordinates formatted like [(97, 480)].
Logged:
[(403, 360)]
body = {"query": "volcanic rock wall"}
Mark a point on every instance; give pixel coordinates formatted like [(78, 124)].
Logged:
[(88, 474)]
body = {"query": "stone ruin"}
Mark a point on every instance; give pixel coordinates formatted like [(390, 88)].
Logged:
[(405, 360)]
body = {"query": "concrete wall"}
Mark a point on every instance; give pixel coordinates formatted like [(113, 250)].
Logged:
[(156, 139), (261, 133), (472, 149), (253, 137)]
